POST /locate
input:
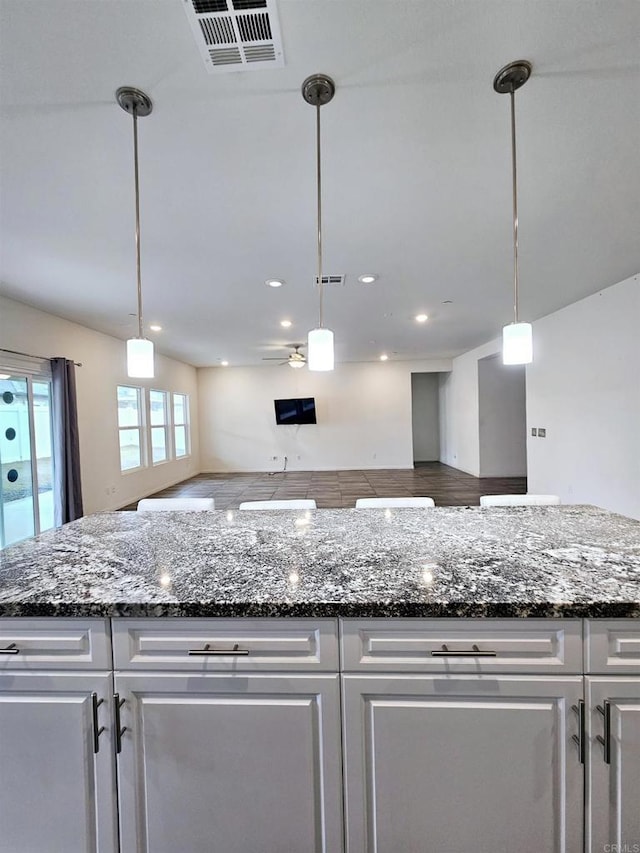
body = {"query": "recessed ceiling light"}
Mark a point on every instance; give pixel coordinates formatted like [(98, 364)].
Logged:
[(274, 282), (368, 278), (285, 324), (224, 363), (422, 318), (155, 327), (384, 357)]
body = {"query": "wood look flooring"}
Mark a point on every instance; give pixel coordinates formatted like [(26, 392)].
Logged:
[(332, 489)]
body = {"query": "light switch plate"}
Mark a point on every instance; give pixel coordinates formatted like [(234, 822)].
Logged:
[(542, 432), (534, 431)]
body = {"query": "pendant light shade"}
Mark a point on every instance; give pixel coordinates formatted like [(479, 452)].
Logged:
[(320, 349), (318, 90), (139, 349), (517, 337), (140, 358), (517, 344)]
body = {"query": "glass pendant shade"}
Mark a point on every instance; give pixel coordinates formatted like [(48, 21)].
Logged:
[(296, 364), (140, 358), (517, 344), (320, 349)]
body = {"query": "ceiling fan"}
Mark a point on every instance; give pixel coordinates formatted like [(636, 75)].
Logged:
[(296, 359)]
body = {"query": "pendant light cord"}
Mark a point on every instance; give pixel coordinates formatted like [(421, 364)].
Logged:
[(514, 170), (137, 192), (319, 182)]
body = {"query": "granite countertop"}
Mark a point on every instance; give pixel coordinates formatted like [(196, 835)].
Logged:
[(449, 561)]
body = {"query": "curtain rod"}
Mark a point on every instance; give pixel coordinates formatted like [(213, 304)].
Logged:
[(28, 355)]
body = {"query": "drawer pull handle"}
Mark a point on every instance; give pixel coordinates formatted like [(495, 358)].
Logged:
[(605, 710), (207, 650), (475, 652), (11, 649), (120, 730), (97, 728), (580, 739)]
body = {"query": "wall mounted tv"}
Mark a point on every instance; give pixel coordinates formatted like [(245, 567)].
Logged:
[(301, 410)]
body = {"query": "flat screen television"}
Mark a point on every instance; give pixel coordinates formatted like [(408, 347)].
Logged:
[(301, 410)]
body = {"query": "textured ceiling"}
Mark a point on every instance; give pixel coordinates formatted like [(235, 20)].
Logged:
[(416, 170)]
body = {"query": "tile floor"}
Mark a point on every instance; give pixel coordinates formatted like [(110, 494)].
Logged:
[(447, 486)]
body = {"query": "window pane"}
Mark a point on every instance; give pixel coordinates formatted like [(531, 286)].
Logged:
[(181, 440), (130, 456), (44, 456), (179, 409), (157, 400), (128, 406), (16, 488), (158, 444)]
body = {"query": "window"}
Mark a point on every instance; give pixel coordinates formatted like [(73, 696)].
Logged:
[(130, 423), (26, 465), (158, 405), (181, 424)]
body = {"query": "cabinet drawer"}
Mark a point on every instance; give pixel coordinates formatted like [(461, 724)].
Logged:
[(612, 645), (225, 645), (54, 644), (462, 645)]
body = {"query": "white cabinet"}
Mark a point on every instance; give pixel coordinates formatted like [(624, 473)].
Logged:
[(57, 791), (613, 802), (230, 763), (462, 763)]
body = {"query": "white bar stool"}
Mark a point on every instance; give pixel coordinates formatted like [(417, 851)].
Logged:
[(519, 500), (380, 503), (304, 503), (175, 504)]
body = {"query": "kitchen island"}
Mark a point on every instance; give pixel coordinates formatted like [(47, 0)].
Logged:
[(452, 680)]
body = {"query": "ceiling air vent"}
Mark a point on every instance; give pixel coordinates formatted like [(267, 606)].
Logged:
[(330, 279), (236, 35)]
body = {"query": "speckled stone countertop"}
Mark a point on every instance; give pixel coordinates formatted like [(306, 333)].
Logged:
[(450, 561)]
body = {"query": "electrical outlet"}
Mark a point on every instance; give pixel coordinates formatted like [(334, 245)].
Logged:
[(534, 431), (542, 432), (273, 458)]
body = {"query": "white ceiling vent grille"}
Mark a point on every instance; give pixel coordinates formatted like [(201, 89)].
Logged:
[(235, 35), (330, 279)]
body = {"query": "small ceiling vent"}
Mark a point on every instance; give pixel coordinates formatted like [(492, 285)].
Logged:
[(236, 35), (330, 279)]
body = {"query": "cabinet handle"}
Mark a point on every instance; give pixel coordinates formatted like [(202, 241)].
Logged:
[(97, 729), (11, 649), (445, 652), (605, 710), (580, 739), (207, 650), (117, 704)]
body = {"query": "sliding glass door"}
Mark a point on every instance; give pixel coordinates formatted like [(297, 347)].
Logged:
[(26, 460)]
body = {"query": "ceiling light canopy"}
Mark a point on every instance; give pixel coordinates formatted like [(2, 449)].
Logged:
[(517, 337), (318, 90), (368, 278), (274, 282), (140, 349)]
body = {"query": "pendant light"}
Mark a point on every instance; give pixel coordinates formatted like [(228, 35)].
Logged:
[(318, 90), (139, 349), (517, 338)]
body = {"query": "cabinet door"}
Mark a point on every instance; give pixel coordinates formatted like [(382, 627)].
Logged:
[(462, 763), (613, 800), (57, 794), (230, 763)]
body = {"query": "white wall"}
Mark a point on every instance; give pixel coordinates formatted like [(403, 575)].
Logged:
[(103, 358), (502, 420), (425, 417), (459, 415), (363, 411), (584, 389)]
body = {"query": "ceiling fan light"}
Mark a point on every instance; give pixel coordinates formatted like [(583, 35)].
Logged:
[(320, 349), (296, 363), (517, 343), (140, 358)]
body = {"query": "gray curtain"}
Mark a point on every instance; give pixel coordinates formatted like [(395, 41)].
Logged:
[(66, 449)]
